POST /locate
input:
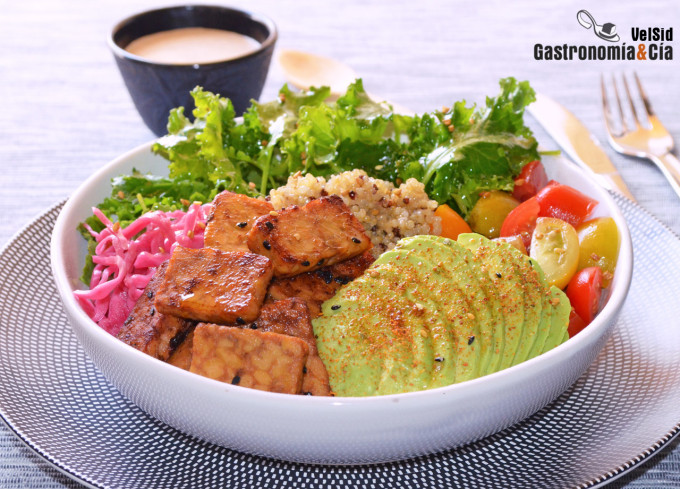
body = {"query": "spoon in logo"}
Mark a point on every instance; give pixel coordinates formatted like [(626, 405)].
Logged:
[(606, 31), (304, 70)]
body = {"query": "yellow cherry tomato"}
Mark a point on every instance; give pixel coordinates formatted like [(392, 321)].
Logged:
[(554, 245), (599, 244), (488, 214)]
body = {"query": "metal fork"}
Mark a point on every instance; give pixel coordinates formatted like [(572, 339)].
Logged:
[(648, 139)]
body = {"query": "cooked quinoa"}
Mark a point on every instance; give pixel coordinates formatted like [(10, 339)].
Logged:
[(387, 213)]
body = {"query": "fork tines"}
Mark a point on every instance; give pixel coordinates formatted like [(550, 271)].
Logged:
[(639, 115)]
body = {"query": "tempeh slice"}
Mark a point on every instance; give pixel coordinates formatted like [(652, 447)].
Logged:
[(260, 360), (150, 331), (181, 357), (320, 285), (291, 316), (231, 218), (214, 286), (301, 239)]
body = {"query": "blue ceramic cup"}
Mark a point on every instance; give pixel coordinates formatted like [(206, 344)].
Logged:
[(156, 88)]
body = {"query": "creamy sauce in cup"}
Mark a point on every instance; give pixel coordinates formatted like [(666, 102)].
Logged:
[(192, 45)]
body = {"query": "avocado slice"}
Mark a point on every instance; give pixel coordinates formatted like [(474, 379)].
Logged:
[(560, 319), (500, 261)]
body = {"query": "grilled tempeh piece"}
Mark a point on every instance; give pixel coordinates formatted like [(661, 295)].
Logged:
[(320, 285), (150, 331), (301, 239), (231, 218), (291, 317), (214, 286), (181, 357), (250, 358)]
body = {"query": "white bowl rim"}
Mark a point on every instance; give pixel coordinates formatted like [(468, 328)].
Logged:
[(619, 290)]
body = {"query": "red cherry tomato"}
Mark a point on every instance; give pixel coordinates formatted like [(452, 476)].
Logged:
[(576, 324), (564, 202), (521, 221), (584, 291), (530, 180)]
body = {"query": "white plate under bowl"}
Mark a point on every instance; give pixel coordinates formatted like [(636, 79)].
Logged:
[(336, 430)]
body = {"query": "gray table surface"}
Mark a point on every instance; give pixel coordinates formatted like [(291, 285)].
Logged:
[(65, 110)]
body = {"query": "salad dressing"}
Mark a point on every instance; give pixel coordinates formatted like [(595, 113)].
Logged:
[(192, 45)]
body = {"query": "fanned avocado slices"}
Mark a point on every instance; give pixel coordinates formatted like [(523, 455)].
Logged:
[(432, 312), (504, 271)]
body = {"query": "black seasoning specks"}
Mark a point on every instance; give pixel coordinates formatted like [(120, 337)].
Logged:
[(499, 275), (471, 339), (269, 225), (253, 326), (320, 263), (305, 263), (149, 294), (335, 307), (240, 321), (356, 240), (266, 245), (438, 359), (236, 380), (242, 224)]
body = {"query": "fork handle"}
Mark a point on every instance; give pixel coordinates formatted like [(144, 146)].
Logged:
[(670, 166)]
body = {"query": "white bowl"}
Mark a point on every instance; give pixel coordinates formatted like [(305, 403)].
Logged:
[(336, 430)]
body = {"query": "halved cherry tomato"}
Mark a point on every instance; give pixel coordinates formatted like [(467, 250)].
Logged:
[(584, 291), (530, 180), (576, 324), (488, 214), (565, 203), (452, 223), (599, 244), (521, 221), (554, 245)]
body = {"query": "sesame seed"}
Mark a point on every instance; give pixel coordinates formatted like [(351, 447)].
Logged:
[(236, 380), (438, 359), (335, 307), (499, 275), (269, 225), (273, 213), (471, 339), (266, 245), (240, 320), (356, 240), (242, 224)]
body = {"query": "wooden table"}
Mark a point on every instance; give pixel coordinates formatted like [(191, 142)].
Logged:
[(65, 110)]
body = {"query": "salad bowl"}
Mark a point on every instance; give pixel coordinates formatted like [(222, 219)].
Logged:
[(329, 430)]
